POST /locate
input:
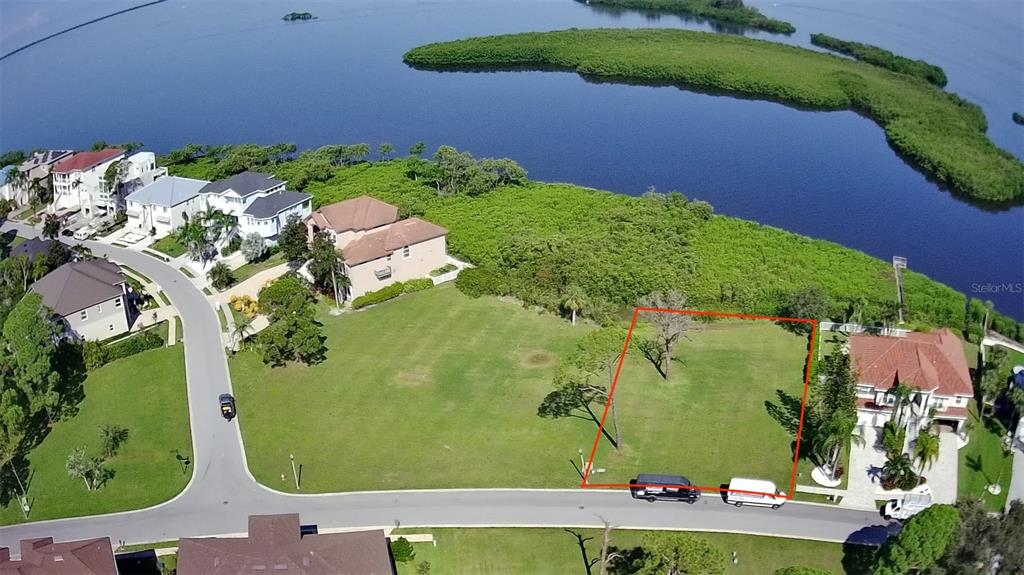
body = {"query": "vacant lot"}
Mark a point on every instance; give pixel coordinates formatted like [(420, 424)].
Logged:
[(556, 551), (154, 410), (431, 390), (713, 418)]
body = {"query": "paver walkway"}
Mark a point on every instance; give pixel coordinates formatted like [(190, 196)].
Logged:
[(866, 463), (1017, 481), (942, 475)]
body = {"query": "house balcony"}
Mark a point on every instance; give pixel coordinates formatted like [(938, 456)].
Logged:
[(383, 273)]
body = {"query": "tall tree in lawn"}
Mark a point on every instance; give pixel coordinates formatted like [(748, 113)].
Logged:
[(926, 449), (599, 352), (51, 226), (991, 382), (1010, 539), (573, 396), (253, 247), (325, 265), (810, 302), (974, 549), (680, 553), (293, 333), (669, 328), (31, 344), (243, 329), (574, 299), (832, 417), (14, 413), (220, 275), (923, 539), (292, 240), (831, 437)]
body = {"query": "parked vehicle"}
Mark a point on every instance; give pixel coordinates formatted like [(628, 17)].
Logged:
[(67, 233), (917, 500), (754, 492), (227, 406), (653, 487), (83, 233)]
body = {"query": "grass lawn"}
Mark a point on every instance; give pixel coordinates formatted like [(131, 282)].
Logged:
[(187, 272), (136, 273), (433, 389), (179, 331), (170, 246), (982, 462), (555, 551), (710, 420), (146, 472), (246, 271)]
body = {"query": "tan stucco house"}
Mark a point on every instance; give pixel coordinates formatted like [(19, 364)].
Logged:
[(377, 247), (89, 296)]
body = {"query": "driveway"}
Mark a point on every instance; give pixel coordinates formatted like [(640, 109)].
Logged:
[(222, 493), (866, 462)]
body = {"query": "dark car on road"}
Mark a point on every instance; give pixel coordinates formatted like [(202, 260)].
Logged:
[(653, 487), (227, 406)]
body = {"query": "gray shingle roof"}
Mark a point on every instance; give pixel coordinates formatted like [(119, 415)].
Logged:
[(77, 285), (168, 191), (273, 204), (243, 184)]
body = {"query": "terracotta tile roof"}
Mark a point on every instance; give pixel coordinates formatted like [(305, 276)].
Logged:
[(398, 235), (931, 361), (358, 214), (952, 411), (863, 403), (78, 285), (274, 545), (86, 160), (44, 557)]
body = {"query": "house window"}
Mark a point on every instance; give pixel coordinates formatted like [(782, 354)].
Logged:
[(111, 327), (99, 308), (117, 302), (83, 315), (405, 253)]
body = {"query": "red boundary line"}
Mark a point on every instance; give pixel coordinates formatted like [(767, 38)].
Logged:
[(622, 360)]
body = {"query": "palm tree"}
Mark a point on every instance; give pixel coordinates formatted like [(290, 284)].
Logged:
[(573, 299), (901, 398), (830, 439), (926, 449), (898, 471), (243, 329)]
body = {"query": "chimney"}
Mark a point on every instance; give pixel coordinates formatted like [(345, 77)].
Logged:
[(30, 547)]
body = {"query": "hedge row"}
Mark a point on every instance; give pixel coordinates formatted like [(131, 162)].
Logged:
[(391, 292), (96, 354)]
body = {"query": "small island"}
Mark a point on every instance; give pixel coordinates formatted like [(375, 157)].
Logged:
[(883, 58), (293, 16), (941, 134), (1018, 118), (721, 11)]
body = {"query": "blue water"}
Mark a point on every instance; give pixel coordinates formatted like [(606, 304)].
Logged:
[(228, 71)]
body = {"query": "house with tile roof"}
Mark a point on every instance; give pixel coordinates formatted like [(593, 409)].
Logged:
[(41, 556), (932, 364), (79, 181), (89, 297), (378, 249), (259, 201), (277, 544), (35, 169)]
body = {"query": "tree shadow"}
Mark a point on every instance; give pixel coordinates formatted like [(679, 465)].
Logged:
[(627, 561), (786, 412), (581, 541), (654, 353), (858, 559), (975, 463)]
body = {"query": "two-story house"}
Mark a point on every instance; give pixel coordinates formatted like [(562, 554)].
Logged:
[(89, 296), (259, 201), (379, 249), (79, 182), (35, 169), (931, 364), (163, 206)]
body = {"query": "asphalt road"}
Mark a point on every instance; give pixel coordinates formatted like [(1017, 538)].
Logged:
[(222, 493)]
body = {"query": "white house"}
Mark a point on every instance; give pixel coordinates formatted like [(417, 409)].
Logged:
[(162, 206), (35, 169), (79, 184), (259, 201), (931, 364), (378, 248)]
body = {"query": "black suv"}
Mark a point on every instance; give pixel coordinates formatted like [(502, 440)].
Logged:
[(665, 487)]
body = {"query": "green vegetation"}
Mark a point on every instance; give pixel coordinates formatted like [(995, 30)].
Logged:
[(732, 12), (557, 551), (146, 471), (163, 298), (179, 331), (293, 335), (187, 272), (391, 292), (921, 541), (250, 269), (882, 57), (984, 461), (942, 134), (169, 245), (1018, 118), (293, 16), (96, 354), (156, 255)]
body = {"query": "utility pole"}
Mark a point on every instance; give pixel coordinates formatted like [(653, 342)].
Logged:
[(25, 507), (295, 472)]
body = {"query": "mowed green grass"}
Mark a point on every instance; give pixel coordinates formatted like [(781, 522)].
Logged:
[(709, 421), (169, 245), (556, 552), (983, 462), (433, 389), (144, 393)]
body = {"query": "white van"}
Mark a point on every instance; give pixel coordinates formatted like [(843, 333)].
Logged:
[(747, 492), (915, 501), (83, 233)]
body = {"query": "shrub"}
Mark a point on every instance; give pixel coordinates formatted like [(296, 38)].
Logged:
[(245, 304), (479, 281), (418, 285), (232, 247), (96, 354), (443, 270), (374, 297), (402, 550), (220, 275)]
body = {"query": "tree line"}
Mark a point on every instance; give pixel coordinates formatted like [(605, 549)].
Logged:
[(883, 58)]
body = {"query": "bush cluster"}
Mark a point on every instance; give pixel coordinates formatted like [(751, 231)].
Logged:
[(391, 292), (724, 11), (883, 58), (96, 354)]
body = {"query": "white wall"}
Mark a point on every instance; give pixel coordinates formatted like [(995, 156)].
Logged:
[(101, 321), (423, 258), (87, 194)]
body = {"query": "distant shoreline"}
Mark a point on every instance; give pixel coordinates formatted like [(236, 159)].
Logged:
[(76, 27)]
